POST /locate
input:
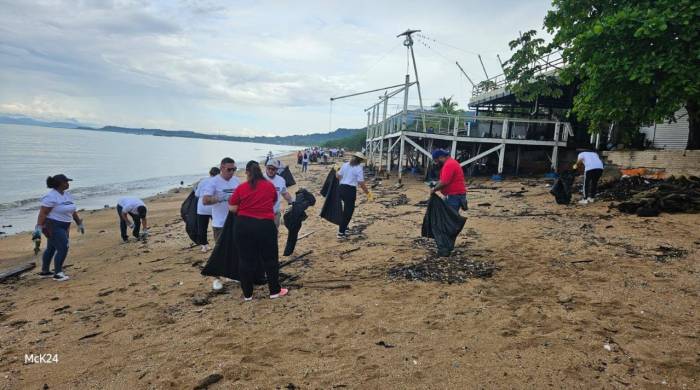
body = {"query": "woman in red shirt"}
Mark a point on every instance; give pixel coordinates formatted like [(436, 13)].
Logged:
[(255, 231)]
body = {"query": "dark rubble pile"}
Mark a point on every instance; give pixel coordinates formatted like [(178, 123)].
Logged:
[(453, 269), (648, 197)]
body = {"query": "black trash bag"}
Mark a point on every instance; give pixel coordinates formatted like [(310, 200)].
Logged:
[(443, 224), (332, 211), (224, 260), (294, 216), (188, 212), (563, 186), (287, 176)]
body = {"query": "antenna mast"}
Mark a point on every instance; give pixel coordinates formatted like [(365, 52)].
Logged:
[(408, 42)]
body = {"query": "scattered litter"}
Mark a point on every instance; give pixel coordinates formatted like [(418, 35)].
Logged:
[(209, 380), (90, 335), (649, 197), (200, 300), (384, 344), (666, 252), (453, 269)]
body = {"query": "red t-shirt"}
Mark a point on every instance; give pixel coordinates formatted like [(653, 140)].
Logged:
[(452, 177), (255, 203)]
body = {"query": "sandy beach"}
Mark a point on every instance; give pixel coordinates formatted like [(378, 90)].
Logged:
[(581, 297)]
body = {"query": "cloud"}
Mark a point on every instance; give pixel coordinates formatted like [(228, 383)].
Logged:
[(265, 66)]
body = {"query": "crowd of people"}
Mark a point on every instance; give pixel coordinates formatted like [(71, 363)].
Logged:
[(256, 205)]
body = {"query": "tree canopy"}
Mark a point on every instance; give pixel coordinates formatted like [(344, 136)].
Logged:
[(634, 62), (446, 106)]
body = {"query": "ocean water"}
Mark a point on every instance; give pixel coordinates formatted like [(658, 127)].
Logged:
[(104, 166)]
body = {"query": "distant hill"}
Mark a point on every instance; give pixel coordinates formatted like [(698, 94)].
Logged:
[(25, 120), (301, 140)]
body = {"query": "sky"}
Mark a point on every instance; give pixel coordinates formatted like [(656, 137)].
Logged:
[(242, 67)]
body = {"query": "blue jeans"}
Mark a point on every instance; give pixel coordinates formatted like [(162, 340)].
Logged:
[(455, 201), (57, 244)]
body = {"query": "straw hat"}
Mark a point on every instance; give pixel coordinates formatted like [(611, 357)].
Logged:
[(359, 155)]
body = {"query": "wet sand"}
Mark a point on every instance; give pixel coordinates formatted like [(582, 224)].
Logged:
[(583, 297)]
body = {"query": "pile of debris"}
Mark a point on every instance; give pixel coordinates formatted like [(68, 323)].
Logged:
[(453, 269), (649, 197)]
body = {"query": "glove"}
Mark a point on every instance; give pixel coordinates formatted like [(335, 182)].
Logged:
[(575, 167), (37, 232), (130, 224), (370, 196), (336, 167), (144, 233), (81, 228)]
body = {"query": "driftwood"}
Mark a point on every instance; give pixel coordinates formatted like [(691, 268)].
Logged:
[(16, 271), (301, 256), (305, 235)]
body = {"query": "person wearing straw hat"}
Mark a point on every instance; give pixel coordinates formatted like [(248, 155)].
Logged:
[(350, 176)]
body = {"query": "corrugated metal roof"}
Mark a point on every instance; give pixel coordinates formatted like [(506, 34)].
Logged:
[(667, 135)]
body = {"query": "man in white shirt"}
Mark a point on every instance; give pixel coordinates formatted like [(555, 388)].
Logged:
[(271, 168), (593, 166), (134, 207), (351, 176), (216, 192), (204, 211)]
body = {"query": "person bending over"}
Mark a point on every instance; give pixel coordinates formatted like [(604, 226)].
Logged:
[(593, 170), (451, 182), (135, 208)]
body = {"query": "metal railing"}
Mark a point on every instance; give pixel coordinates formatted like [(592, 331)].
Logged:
[(551, 63)]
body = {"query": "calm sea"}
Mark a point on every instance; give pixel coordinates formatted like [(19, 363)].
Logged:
[(104, 166)]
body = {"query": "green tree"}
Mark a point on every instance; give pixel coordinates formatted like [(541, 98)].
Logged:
[(528, 79), (446, 106), (634, 62)]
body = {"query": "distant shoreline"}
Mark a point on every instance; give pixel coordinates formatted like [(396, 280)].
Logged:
[(289, 140)]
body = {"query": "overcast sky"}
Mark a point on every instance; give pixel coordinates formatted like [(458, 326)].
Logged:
[(241, 67)]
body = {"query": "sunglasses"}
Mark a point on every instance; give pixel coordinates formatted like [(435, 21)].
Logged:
[(231, 169)]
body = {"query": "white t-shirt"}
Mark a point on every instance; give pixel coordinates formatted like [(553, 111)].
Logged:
[(281, 187), (351, 175), (130, 204), (62, 206), (305, 158), (221, 190), (202, 209), (590, 160)]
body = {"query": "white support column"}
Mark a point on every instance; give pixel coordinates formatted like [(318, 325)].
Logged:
[(502, 152), (404, 116), (453, 153), (555, 150), (381, 143), (401, 151)]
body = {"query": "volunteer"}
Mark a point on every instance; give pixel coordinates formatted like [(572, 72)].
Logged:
[(305, 161), (134, 207), (216, 192), (255, 231), (272, 166), (204, 211), (350, 176), (593, 170), (56, 213), (451, 182)]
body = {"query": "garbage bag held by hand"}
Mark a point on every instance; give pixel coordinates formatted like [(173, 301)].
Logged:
[(294, 216), (188, 212), (443, 224), (288, 177), (331, 211), (223, 261), (561, 189)]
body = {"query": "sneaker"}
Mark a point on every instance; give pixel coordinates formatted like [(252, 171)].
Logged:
[(591, 200), (205, 248), (341, 235), (247, 299), (283, 292), (583, 201), (61, 277), (217, 285), (45, 274)]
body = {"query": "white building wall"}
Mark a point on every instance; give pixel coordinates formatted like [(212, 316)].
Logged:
[(669, 135)]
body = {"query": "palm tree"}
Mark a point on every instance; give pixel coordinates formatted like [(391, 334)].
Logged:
[(446, 106)]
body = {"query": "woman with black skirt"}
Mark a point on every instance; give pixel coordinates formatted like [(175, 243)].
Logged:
[(255, 231)]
